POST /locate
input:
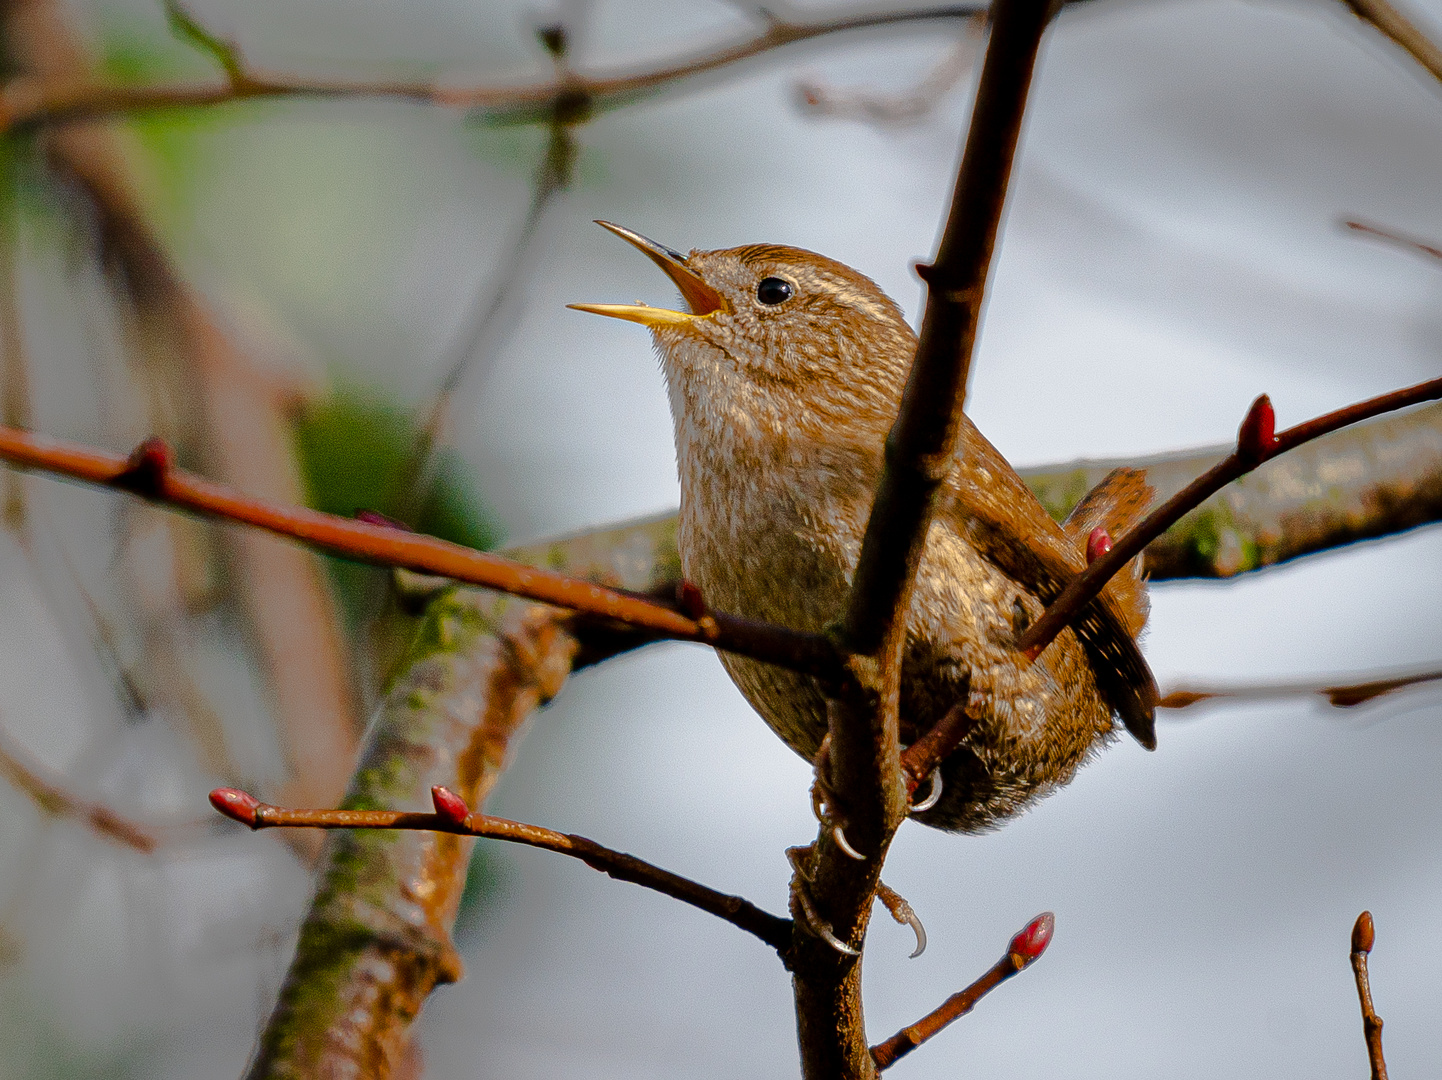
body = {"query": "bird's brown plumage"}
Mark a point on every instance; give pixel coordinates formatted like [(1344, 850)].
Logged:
[(780, 412)]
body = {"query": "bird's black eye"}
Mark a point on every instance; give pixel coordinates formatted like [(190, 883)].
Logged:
[(773, 290)]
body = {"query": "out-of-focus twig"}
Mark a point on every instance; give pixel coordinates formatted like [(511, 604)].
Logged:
[(1393, 24), (1363, 935), (1394, 237), (901, 109), (36, 101), (1340, 695), (50, 795)]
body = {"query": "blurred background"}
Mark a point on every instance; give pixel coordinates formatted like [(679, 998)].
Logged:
[(308, 297)]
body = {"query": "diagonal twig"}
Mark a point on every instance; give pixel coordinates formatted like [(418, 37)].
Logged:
[(148, 473), (50, 796), (32, 102), (452, 815), (921, 444), (1023, 950), (1256, 443), (863, 767), (1340, 695)]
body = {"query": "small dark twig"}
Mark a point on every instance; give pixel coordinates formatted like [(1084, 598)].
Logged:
[(453, 816), (1411, 244), (1256, 443), (1363, 935), (1023, 950), (1342, 696)]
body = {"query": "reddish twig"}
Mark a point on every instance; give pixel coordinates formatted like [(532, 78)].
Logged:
[(54, 800), (921, 445), (1363, 935), (921, 758), (1256, 443), (31, 102), (452, 815), (148, 473), (1397, 238), (1343, 696), (1023, 950)]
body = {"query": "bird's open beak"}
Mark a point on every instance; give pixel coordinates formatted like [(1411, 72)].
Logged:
[(700, 297)]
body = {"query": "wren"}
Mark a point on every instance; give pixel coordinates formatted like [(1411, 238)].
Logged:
[(784, 377)]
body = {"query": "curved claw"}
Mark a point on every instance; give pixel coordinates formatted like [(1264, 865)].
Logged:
[(920, 932), (933, 796), (839, 835), (818, 926), (818, 804)]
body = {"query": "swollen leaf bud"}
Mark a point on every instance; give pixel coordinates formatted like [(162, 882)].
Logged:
[(238, 805), (1363, 933), (1099, 542), (1257, 437), (1033, 940), (146, 467), (449, 805)]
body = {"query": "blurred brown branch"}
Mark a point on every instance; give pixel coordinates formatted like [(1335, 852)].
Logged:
[(32, 101), (1339, 695), (50, 795)]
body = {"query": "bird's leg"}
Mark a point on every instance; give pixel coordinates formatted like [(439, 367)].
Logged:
[(801, 859), (823, 802), (901, 911)]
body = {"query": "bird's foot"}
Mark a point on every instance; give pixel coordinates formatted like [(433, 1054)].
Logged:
[(901, 911), (801, 859)]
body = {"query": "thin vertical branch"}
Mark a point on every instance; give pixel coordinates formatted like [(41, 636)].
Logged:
[(863, 764), (1363, 935)]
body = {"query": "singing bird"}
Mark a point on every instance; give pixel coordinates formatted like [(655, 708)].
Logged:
[(785, 375)]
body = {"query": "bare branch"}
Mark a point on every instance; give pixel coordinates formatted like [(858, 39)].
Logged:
[(1341, 695), (148, 473), (50, 795), (31, 102), (1256, 443), (453, 816), (1374, 479), (1023, 950), (1363, 935), (1401, 30), (921, 445)]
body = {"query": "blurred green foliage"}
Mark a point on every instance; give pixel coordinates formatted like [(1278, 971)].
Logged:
[(354, 448)]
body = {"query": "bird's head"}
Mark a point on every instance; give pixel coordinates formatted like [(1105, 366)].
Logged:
[(775, 329)]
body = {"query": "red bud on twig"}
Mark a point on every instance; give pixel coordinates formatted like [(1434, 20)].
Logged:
[(449, 805), (1363, 933), (693, 604), (1099, 542), (146, 467), (1257, 437), (238, 805), (1033, 940)]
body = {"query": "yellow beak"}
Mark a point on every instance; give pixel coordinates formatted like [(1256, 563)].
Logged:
[(700, 297)]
